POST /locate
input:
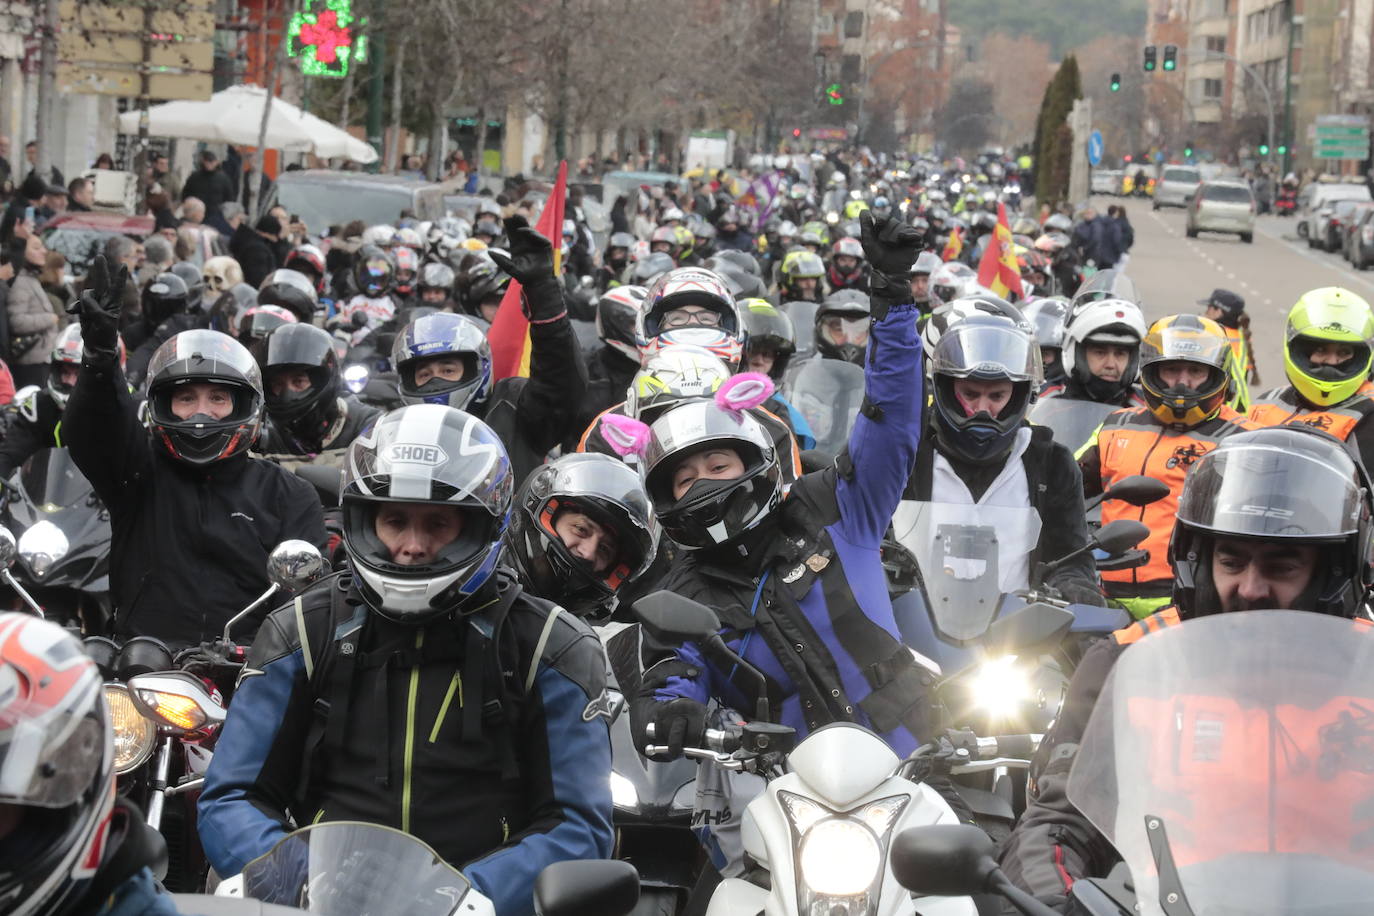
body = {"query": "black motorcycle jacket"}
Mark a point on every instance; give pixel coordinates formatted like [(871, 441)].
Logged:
[(609, 375), (136, 369), (350, 417), (189, 545), (485, 735), (37, 425)]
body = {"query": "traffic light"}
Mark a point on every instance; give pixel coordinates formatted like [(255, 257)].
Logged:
[(1170, 58), (796, 132), (1264, 147), (1283, 149), (834, 94), (1128, 157), (1116, 82), (1188, 150), (1149, 58)]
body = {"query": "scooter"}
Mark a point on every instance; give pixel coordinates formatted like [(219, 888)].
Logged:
[(819, 834)]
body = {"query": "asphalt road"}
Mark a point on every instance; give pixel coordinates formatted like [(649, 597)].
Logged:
[(1173, 272)]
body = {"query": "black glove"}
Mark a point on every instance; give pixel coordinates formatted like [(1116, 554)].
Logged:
[(98, 309), (676, 723), (891, 247), (531, 263)]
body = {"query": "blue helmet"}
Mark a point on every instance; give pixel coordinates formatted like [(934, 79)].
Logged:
[(443, 334)]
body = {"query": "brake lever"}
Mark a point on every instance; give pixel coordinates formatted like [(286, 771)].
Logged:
[(724, 761)]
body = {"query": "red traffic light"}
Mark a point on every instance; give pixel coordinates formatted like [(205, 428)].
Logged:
[(1128, 157), (796, 132)]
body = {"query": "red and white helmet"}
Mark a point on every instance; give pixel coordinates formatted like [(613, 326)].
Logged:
[(56, 765), (692, 286)]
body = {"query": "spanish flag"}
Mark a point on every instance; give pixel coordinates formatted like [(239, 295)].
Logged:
[(509, 336), (954, 247), (997, 270)]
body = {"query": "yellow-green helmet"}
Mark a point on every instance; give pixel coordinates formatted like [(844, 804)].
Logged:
[(1328, 315)]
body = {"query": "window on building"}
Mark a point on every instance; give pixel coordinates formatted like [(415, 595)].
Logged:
[(850, 67), (1211, 90), (1216, 43), (854, 24), (1297, 34)]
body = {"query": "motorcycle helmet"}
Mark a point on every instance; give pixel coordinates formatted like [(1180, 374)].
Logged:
[(67, 352), (483, 283), (228, 312), (1105, 321), (195, 284), (664, 240), (797, 266), (308, 261), (1333, 316), (650, 267), (164, 297), (742, 285), (703, 239), (841, 326), (948, 314), (610, 493), (487, 231), (839, 275), (436, 283), (770, 332), (260, 320), (407, 269), (443, 458), (672, 376), (711, 512), (409, 237), (949, 280), (305, 348), (204, 356), (380, 235), (617, 254), (1282, 485), (292, 291), (1106, 284), (1047, 317), (1036, 272), (57, 756), (983, 347), (720, 329), (617, 314), (373, 271), (444, 334), (1187, 339), (220, 273), (686, 242), (741, 260), (1057, 222)]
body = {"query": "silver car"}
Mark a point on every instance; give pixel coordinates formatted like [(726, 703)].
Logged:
[(1222, 206), (1176, 186)]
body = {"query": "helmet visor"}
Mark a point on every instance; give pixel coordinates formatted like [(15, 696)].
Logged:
[(1184, 343), (1266, 490), (49, 755), (988, 351)]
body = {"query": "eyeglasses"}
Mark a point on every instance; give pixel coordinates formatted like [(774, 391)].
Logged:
[(681, 318)]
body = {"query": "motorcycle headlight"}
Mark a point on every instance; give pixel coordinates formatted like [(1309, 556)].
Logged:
[(840, 853), (355, 377), (134, 736), (42, 546), (623, 793), (840, 857), (1000, 687)]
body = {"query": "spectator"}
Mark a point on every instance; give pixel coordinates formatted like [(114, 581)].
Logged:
[(104, 161), (206, 239), (31, 154), (167, 179), (255, 184), (122, 250), (158, 257), (209, 184), (34, 324), (30, 195), (80, 195), (1098, 239), (6, 277), (225, 220), (6, 170), (1125, 231), (254, 249), (54, 280), (166, 225), (54, 203)]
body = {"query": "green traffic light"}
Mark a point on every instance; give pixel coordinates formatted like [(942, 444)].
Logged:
[(1282, 149), (1187, 152), (1264, 149), (1116, 82)]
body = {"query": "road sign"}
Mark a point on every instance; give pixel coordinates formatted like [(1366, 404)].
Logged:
[(1095, 147), (1341, 137), (101, 48)]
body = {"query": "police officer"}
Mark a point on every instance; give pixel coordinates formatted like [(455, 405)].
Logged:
[(422, 689), (1223, 561)]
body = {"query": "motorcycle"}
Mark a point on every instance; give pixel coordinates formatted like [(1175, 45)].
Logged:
[(1286, 203), (828, 393), (1072, 422), (822, 826), (343, 868), (64, 540), (167, 710), (1226, 762)]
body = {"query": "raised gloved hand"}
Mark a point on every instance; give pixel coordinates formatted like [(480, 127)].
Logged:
[(98, 309), (891, 247), (530, 261)]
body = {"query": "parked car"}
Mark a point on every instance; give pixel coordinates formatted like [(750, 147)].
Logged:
[(1319, 195), (1176, 186), (1350, 227), (1362, 240), (324, 198), (1222, 206), (1326, 229), (79, 237), (1106, 181)]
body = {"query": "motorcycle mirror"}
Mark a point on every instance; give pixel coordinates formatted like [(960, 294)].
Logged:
[(944, 860), (1121, 535), (358, 321), (1033, 625), (1138, 490), (587, 887), (294, 564), (9, 548), (672, 619)]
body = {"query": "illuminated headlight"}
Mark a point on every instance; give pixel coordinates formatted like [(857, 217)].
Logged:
[(840, 857), (355, 377), (955, 187), (134, 736), (1000, 687), (840, 853), (623, 794), (42, 546), (832, 217)]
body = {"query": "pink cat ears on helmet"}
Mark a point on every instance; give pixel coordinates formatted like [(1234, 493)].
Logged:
[(628, 436)]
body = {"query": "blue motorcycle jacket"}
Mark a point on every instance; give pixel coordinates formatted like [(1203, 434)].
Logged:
[(486, 736)]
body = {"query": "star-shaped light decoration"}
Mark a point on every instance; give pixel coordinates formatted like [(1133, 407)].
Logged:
[(321, 36)]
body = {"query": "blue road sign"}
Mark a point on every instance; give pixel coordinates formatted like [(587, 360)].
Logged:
[(1095, 146)]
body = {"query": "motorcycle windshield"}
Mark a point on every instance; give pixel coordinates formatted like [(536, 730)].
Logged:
[(348, 868), (828, 392), (51, 478), (1230, 761), (1073, 422), (969, 556)]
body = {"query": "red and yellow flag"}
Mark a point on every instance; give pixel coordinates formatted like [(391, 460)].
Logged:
[(998, 270), (509, 336), (954, 247)]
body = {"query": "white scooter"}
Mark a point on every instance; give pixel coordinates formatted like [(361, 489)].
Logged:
[(824, 828)]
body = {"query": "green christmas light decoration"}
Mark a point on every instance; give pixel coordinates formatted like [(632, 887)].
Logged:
[(322, 37)]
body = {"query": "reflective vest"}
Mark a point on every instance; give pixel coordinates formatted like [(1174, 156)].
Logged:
[(1131, 442), (1241, 366), (1284, 406), (1168, 617)]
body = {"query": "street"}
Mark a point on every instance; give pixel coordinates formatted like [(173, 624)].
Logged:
[(1173, 272)]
